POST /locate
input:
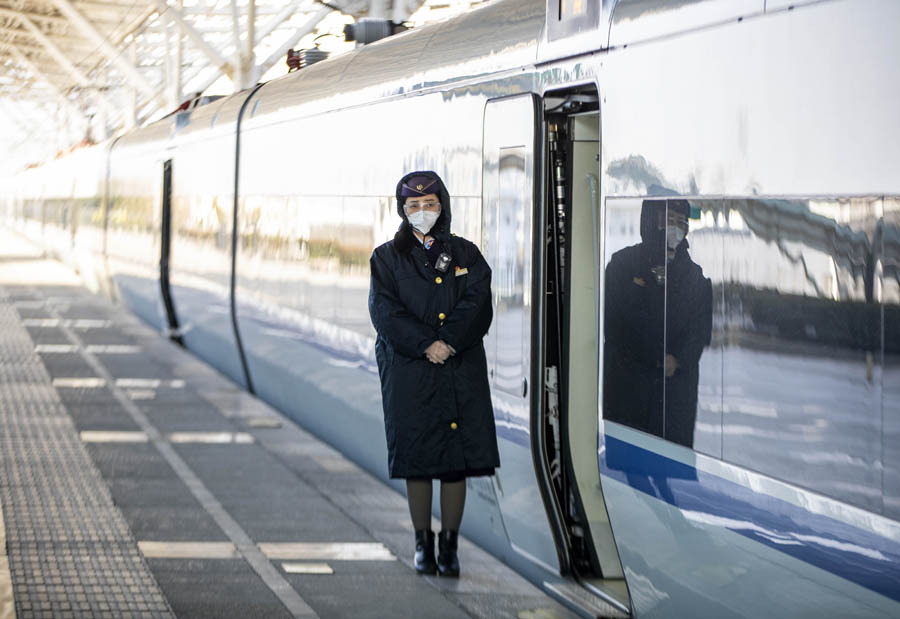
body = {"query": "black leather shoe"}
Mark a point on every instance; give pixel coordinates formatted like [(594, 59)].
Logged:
[(448, 562), (425, 552)]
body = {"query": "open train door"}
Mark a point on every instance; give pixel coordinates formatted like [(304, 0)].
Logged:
[(508, 200)]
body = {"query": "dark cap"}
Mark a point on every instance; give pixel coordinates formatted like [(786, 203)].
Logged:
[(419, 186)]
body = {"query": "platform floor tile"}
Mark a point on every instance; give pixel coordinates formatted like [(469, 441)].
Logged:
[(286, 492), (70, 552)]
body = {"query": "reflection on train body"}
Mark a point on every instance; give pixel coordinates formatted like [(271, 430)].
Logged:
[(790, 383)]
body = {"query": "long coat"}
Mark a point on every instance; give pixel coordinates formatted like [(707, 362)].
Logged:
[(645, 320), (438, 418)]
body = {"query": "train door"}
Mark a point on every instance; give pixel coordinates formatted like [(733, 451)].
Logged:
[(571, 343), (508, 208), (166, 251)]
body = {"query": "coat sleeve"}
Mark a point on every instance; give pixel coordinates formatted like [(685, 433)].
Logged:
[(469, 320), (407, 334), (699, 333)]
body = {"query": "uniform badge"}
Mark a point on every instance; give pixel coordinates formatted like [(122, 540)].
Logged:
[(462, 271), (639, 281)]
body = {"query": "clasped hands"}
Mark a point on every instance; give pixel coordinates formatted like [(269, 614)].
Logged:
[(438, 352)]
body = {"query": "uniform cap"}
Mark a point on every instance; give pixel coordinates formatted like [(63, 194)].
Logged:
[(418, 186)]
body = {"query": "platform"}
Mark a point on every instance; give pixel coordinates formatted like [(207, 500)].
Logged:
[(138, 482)]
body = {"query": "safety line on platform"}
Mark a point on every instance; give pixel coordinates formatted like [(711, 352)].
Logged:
[(269, 574)]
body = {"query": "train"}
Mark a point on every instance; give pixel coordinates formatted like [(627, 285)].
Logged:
[(716, 439)]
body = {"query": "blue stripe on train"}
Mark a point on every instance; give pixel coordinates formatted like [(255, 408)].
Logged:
[(847, 551)]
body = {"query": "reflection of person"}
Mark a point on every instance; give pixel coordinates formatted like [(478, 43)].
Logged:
[(430, 302), (658, 320)]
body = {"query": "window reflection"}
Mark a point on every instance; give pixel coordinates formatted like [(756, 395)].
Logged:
[(658, 320), (889, 270), (788, 355), (802, 364)]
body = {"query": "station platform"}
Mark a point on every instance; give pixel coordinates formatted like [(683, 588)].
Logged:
[(138, 482)]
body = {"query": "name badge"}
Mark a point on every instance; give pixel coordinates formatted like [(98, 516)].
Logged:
[(460, 271)]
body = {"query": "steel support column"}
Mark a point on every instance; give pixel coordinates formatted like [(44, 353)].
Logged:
[(177, 82)]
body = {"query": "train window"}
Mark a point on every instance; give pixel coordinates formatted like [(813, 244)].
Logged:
[(780, 317), (887, 272), (802, 367), (509, 272), (659, 373)]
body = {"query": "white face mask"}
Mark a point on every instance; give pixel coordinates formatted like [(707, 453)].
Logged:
[(674, 236), (423, 220)]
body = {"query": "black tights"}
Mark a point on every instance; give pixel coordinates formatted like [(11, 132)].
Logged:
[(453, 500)]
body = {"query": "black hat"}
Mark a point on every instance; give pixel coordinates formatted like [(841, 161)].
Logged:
[(415, 186), (409, 187)]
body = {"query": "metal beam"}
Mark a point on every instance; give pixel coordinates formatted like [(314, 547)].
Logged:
[(114, 55), (178, 81), (291, 41), (249, 52), (70, 66), (49, 19), (172, 13), (40, 74), (240, 71), (285, 14)]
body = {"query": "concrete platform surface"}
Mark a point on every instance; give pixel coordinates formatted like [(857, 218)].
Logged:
[(135, 481)]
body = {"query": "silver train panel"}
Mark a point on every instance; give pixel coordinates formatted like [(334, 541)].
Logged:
[(134, 219), (203, 160), (634, 21), (793, 383), (765, 106), (508, 207), (492, 38)]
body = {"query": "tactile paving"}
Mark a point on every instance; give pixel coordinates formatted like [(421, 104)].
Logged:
[(71, 553)]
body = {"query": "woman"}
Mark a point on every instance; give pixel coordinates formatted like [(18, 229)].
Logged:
[(430, 302)]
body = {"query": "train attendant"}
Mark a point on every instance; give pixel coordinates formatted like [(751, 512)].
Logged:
[(430, 302)]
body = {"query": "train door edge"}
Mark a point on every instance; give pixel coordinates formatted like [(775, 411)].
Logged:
[(509, 195), (568, 413), (165, 254)]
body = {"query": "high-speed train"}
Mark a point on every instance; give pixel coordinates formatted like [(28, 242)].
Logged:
[(701, 427)]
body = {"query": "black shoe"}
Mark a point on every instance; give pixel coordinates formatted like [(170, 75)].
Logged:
[(448, 562), (425, 552)]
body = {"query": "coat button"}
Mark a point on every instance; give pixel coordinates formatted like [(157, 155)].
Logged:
[(442, 315), (438, 280), (453, 426)]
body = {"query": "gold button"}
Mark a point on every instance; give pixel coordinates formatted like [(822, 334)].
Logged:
[(453, 426), (438, 280), (442, 315)]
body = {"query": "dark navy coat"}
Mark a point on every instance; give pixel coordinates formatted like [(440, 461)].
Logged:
[(645, 320), (438, 418)]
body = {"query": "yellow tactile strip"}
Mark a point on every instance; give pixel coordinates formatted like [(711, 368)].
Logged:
[(69, 551)]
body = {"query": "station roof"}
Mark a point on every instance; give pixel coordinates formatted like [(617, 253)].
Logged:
[(93, 68)]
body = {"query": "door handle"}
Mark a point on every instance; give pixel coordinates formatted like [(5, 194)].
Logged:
[(524, 387)]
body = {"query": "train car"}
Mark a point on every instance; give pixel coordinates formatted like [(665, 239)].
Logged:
[(692, 213)]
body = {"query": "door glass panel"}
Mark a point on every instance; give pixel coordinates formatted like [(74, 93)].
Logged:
[(509, 272)]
